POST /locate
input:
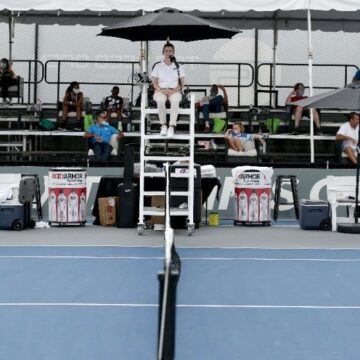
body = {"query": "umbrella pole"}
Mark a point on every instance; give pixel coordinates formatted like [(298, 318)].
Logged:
[(275, 43), (11, 35), (143, 66), (310, 58), (357, 210)]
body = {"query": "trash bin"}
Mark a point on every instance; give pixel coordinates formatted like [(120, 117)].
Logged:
[(252, 194), (67, 196)]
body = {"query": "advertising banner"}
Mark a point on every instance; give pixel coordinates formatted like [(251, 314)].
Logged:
[(311, 185), (67, 195), (252, 194)]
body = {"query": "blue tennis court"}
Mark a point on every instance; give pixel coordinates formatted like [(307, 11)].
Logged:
[(102, 303)]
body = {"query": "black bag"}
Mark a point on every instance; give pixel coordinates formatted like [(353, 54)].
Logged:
[(185, 101), (27, 189), (128, 211)]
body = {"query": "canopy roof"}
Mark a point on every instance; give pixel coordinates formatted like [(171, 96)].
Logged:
[(186, 5), (329, 15)]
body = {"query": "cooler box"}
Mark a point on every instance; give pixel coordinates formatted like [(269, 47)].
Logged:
[(12, 216), (252, 194), (67, 196), (314, 215)]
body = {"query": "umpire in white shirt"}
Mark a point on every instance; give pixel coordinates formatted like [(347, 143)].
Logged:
[(168, 78)]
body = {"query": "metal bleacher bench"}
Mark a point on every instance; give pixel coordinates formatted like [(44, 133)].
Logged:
[(17, 145), (340, 192)]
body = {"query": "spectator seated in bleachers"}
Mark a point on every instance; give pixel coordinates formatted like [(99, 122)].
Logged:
[(298, 111), (348, 134), (7, 79), (113, 105), (213, 103), (118, 110), (241, 143), (100, 135), (73, 101)]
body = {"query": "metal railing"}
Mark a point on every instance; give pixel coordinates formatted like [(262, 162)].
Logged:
[(340, 75), (33, 74), (60, 72), (57, 67), (236, 77)]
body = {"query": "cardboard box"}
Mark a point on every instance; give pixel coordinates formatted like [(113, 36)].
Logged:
[(157, 201), (107, 210)]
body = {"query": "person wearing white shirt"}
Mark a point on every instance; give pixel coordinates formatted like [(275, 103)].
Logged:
[(168, 78), (349, 135)]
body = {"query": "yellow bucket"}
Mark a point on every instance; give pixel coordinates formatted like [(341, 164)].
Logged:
[(213, 219)]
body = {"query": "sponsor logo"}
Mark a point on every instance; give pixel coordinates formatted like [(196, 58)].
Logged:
[(68, 176)]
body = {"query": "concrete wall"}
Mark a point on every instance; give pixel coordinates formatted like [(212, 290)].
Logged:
[(311, 185)]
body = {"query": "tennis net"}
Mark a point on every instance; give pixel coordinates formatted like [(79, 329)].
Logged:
[(168, 279)]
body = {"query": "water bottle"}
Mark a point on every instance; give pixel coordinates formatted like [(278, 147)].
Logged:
[(38, 107), (213, 144), (120, 127), (38, 104)]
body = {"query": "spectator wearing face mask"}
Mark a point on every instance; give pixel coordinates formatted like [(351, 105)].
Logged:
[(298, 94), (212, 103), (240, 141), (73, 101), (100, 134), (7, 79)]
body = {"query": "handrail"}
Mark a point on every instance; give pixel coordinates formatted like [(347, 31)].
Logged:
[(234, 76), (57, 67), (268, 74), (32, 67), (305, 65), (59, 79)]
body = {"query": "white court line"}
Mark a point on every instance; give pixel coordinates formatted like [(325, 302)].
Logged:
[(80, 257), (180, 247), (80, 246), (31, 246), (267, 259), (72, 257), (240, 306), (210, 306), (56, 304)]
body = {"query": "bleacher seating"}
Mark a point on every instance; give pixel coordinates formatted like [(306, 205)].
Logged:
[(16, 91), (71, 118), (281, 147)]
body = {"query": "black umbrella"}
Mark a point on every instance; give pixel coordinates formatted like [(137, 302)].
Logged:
[(171, 24), (165, 24)]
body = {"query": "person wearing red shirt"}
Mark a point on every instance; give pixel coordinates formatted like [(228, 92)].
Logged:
[(298, 94)]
